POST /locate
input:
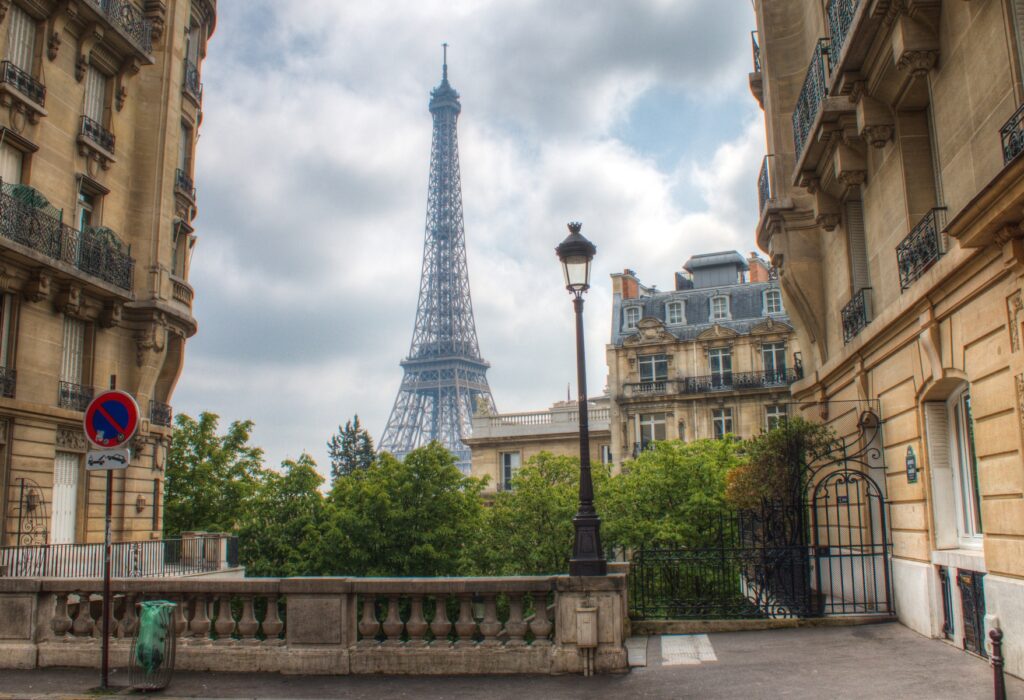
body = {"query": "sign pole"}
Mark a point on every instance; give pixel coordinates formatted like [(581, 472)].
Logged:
[(104, 681)]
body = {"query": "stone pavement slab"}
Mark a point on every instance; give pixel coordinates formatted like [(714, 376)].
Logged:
[(876, 661)]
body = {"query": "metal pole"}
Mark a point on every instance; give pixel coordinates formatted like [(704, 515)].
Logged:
[(587, 554), (106, 586), (999, 681)]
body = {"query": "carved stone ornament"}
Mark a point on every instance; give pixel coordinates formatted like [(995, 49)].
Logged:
[(92, 36), (112, 314), (156, 13), (483, 406), (827, 221), (154, 339), (878, 134), (38, 287), (6, 279), (1014, 308), (69, 301), (853, 178), (4, 6), (1019, 382), (22, 110), (918, 62), (71, 440)]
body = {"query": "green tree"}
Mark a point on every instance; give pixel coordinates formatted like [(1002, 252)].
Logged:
[(209, 478), (415, 517), (349, 449), (529, 529), (668, 494), (281, 531)]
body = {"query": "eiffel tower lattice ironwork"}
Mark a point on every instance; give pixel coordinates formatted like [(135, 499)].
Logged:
[(445, 378)]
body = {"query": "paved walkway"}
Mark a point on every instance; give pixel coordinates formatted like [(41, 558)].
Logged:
[(875, 661)]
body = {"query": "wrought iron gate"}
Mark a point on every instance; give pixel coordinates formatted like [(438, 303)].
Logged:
[(825, 552)]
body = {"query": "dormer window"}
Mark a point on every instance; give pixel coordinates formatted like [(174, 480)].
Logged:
[(720, 308), (632, 318), (773, 301), (674, 313)]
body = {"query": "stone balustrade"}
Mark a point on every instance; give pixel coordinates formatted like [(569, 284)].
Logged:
[(325, 625)]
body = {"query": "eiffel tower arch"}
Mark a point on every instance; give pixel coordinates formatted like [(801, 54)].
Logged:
[(445, 378)]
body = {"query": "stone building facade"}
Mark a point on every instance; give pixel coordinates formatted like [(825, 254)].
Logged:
[(100, 104), (713, 357), (891, 203), (501, 443)]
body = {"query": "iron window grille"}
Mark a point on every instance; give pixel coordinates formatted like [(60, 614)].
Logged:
[(840, 19), (23, 82), (813, 92), (73, 397), (856, 314), (1012, 135), (922, 247), (192, 84), (764, 185), (160, 413)]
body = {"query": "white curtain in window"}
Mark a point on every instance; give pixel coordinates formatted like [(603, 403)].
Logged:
[(21, 40), (74, 348), (6, 310), (10, 164), (95, 94), (65, 498)]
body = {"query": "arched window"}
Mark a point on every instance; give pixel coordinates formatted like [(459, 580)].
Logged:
[(773, 302), (631, 317), (674, 313)]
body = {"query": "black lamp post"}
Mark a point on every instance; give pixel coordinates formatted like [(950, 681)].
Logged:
[(576, 252)]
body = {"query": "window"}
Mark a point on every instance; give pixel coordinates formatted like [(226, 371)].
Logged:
[(632, 317), (964, 463), (64, 497), (775, 416), (606, 454), (773, 301), (674, 312), (185, 150), (11, 160), (719, 308), (653, 368), (179, 262), (510, 462), (652, 428), (773, 355), (73, 353), (192, 43), (95, 95), (88, 212), (6, 328), (858, 253), (721, 422), (720, 360), (21, 40)]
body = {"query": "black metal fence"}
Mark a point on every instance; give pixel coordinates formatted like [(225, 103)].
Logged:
[(812, 94), (856, 314), (922, 247), (23, 81), (171, 557)]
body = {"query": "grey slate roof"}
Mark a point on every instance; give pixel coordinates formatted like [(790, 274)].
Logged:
[(725, 257)]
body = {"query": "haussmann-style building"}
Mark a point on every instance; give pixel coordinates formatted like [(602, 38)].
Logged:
[(892, 199), (100, 104)]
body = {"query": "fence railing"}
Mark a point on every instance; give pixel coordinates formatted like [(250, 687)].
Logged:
[(840, 19), (24, 82), (74, 397), (812, 94), (193, 86), (720, 381), (856, 314), (1012, 136), (764, 184), (129, 18), (102, 136), (153, 558), (922, 247)]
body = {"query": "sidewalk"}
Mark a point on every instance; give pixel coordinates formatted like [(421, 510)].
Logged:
[(875, 661)]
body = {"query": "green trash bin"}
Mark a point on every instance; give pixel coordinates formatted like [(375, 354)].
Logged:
[(151, 662)]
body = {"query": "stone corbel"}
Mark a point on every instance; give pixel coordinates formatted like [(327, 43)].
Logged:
[(826, 210), (875, 121), (92, 35), (6, 279), (1014, 310), (112, 314), (915, 47), (849, 166), (4, 6), (156, 13), (152, 340), (58, 21), (38, 287), (69, 301), (129, 68)]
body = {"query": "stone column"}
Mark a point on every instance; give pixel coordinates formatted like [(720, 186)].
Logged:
[(321, 625), (607, 594)]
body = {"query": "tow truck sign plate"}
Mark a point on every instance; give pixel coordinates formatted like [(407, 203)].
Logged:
[(105, 460)]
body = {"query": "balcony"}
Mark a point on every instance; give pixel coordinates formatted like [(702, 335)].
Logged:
[(23, 82), (193, 87), (764, 185), (97, 133), (922, 247), (1012, 135), (73, 397), (856, 314), (756, 50), (183, 184), (7, 381), (840, 19), (29, 220), (722, 381), (126, 17), (755, 78), (160, 414), (181, 291), (813, 92)]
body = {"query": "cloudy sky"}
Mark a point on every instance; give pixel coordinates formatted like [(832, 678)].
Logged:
[(633, 117)]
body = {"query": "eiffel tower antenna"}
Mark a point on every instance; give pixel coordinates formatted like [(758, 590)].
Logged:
[(445, 378)]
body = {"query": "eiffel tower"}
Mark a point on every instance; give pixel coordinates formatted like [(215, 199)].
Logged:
[(445, 377)]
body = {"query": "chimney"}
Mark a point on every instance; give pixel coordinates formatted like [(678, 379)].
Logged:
[(758, 268), (630, 285)]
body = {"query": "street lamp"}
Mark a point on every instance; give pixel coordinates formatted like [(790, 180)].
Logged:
[(576, 252)]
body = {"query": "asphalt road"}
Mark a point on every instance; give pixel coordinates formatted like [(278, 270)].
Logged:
[(873, 661)]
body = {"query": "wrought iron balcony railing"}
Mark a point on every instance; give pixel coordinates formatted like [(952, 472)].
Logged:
[(7, 381), (94, 251), (840, 19), (73, 397), (921, 248), (192, 84), (856, 314), (25, 83), (755, 48), (1012, 135), (721, 381), (160, 413), (764, 185), (129, 18), (92, 129), (812, 94), (184, 184)]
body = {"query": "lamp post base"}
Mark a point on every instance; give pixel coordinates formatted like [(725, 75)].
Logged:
[(587, 557)]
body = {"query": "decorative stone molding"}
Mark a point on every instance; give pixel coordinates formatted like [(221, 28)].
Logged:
[(6, 279), (878, 134), (4, 6), (38, 287), (1014, 309), (853, 178), (56, 24), (112, 314), (828, 220), (92, 35), (71, 440), (156, 13), (69, 301), (918, 62), (154, 339), (129, 68), (5, 430), (1019, 384)]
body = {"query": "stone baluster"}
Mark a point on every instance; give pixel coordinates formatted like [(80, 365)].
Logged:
[(417, 626), (490, 626), (126, 625), (540, 625), (199, 625), (248, 624), (441, 626), (272, 625), (368, 626), (393, 623), (84, 624), (61, 621), (178, 618), (225, 625), (465, 627), (515, 627)]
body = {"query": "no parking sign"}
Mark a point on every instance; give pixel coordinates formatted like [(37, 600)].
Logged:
[(110, 422)]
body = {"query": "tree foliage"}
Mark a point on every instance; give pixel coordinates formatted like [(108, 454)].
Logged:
[(209, 478), (350, 449)]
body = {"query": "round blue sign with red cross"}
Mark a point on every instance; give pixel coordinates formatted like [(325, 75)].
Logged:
[(111, 419)]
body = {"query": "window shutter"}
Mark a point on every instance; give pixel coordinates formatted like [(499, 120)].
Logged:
[(74, 347), (858, 248), (10, 164), (21, 40), (95, 94), (936, 417), (65, 497)]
